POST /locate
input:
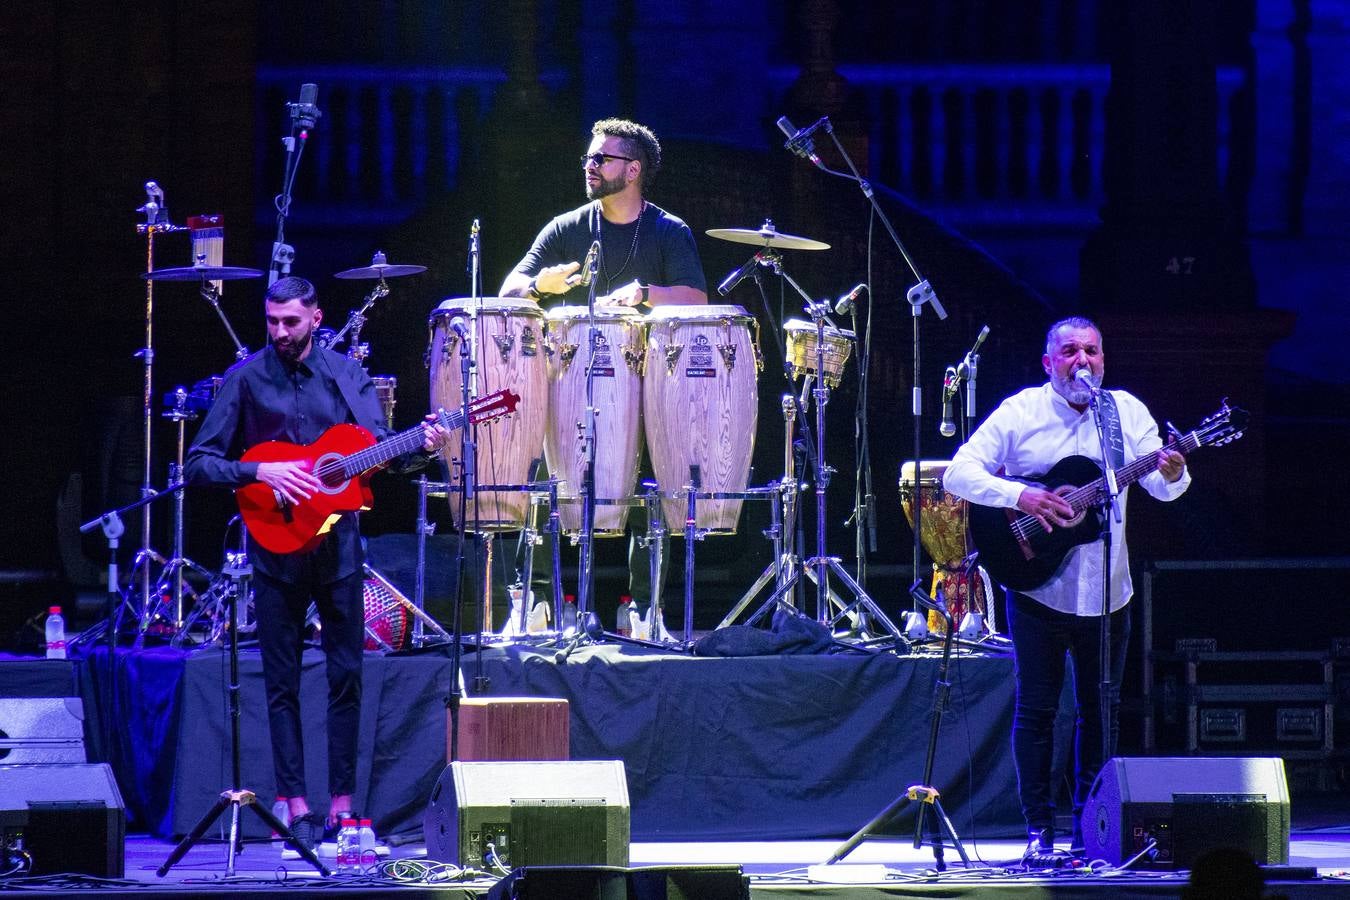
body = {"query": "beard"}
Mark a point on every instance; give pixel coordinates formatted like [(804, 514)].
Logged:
[(605, 188), (291, 349), (1073, 390)]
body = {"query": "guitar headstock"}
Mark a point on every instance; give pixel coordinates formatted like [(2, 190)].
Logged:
[(1223, 427), (493, 406)]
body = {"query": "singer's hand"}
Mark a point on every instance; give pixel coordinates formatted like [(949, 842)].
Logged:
[(1048, 508), (628, 295), (557, 279), (291, 480)]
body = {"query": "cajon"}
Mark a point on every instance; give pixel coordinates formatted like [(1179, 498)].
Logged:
[(510, 728)]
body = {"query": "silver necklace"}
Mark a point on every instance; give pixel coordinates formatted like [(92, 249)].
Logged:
[(632, 248)]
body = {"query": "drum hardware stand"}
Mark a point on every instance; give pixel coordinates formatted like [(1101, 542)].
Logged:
[(156, 213), (922, 292), (239, 571), (211, 294), (923, 794), (356, 319), (822, 564)]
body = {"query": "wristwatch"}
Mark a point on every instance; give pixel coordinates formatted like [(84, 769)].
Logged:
[(645, 291)]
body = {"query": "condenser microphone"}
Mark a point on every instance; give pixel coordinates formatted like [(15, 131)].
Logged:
[(844, 305), (799, 142), (306, 112)]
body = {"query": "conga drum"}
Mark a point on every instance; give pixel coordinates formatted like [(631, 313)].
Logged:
[(942, 531), (508, 333), (617, 392), (700, 399)]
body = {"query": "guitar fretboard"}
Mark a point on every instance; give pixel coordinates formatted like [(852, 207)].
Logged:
[(376, 455)]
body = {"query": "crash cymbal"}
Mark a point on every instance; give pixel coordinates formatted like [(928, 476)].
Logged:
[(380, 268), (202, 273), (766, 236)]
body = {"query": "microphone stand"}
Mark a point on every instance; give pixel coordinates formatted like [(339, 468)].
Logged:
[(585, 590), (304, 115), (1110, 509), (921, 293)]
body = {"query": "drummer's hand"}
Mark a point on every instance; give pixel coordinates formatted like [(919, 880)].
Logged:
[(291, 481), (629, 294), (434, 434), (1170, 464), (557, 279), (1047, 508)]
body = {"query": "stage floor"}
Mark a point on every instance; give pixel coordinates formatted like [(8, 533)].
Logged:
[(775, 869)]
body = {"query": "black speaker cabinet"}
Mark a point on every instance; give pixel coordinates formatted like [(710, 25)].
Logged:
[(1188, 805), (553, 813), (607, 883), (69, 818), (41, 730)]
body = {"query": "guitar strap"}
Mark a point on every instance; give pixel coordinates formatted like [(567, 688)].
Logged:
[(349, 395), (1115, 438)]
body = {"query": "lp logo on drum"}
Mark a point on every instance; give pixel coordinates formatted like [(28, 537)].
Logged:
[(604, 357), (700, 359)]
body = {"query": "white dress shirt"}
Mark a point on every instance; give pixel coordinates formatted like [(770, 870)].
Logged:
[(1030, 432)]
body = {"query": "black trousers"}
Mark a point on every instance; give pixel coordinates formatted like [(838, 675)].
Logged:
[(280, 608), (1041, 637)]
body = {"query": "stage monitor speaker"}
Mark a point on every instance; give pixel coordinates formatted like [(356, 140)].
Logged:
[(606, 883), (1187, 805), (41, 730), (529, 814), (68, 818)]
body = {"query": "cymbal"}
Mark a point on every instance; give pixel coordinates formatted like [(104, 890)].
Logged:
[(202, 273), (766, 236), (380, 268)]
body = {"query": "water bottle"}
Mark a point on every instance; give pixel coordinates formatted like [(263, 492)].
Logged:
[(366, 842), (349, 848), (623, 624), (568, 620), (56, 634)]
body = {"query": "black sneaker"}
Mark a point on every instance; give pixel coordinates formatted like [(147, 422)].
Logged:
[(306, 830)]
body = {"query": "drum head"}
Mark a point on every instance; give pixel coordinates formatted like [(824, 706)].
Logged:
[(930, 471), (567, 313), (801, 325), (698, 312), (467, 306)]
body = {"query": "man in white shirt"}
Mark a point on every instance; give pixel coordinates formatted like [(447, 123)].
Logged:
[(1026, 436)]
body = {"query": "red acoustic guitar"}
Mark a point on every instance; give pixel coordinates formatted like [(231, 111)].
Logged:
[(344, 457)]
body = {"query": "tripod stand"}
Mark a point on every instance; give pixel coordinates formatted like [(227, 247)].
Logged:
[(240, 573), (924, 793)]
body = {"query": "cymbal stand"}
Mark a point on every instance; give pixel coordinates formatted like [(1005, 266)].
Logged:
[(356, 320), (156, 213), (211, 294)]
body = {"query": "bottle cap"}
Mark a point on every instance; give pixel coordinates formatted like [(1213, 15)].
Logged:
[(54, 611), (569, 598), (625, 599), (365, 823), (348, 823)]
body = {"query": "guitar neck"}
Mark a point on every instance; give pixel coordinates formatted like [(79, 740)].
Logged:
[(379, 454), (1126, 475)]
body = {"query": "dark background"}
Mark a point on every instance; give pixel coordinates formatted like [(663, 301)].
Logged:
[(1175, 169)]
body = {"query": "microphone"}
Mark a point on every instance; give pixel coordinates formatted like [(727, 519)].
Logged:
[(306, 113), (799, 142), (460, 326), (1087, 379), (590, 265), (737, 276), (947, 427), (844, 305)]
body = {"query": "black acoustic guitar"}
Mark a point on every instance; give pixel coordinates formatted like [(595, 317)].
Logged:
[(1016, 549)]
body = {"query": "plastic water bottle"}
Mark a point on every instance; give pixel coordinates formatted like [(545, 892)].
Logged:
[(349, 848), (366, 842), (568, 620), (56, 634), (622, 624)]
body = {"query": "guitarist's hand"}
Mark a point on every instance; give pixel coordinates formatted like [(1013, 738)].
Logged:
[(1170, 464), (290, 480), (435, 436), (1048, 508)]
